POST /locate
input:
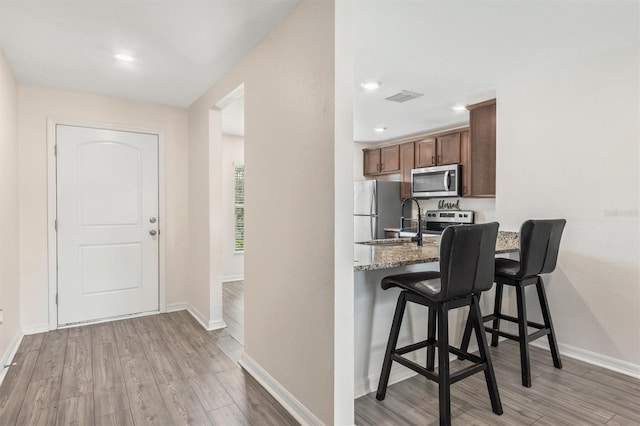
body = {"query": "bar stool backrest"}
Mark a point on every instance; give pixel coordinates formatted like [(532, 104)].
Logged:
[(467, 259), (539, 246)]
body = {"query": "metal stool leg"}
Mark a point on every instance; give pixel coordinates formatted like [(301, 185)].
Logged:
[(466, 336), (489, 374), (546, 315), (496, 311), (391, 345), (444, 382), (523, 336), (431, 335)]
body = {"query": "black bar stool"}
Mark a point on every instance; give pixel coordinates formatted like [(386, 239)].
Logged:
[(467, 254), (539, 245)]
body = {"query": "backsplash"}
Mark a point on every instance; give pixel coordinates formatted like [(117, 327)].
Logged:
[(484, 208)]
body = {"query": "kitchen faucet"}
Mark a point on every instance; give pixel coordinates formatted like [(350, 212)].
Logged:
[(418, 237)]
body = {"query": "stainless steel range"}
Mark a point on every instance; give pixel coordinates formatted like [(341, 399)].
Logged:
[(436, 220)]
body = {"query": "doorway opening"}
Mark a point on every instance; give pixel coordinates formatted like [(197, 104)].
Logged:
[(233, 169)]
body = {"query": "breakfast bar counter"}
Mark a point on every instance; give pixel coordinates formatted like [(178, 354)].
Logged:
[(390, 253), (374, 307)]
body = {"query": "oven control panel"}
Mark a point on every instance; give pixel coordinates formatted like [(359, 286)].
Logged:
[(449, 216)]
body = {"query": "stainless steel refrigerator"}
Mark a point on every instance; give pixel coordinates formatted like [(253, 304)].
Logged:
[(376, 206)]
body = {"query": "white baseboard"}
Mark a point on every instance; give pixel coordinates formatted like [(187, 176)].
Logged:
[(195, 313), (282, 395), (231, 278), (208, 325), (604, 361), (370, 384), (35, 329), (9, 354)]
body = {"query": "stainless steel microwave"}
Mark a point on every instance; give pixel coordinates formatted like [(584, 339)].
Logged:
[(439, 181)]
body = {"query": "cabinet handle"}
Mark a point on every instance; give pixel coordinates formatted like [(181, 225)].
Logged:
[(433, 159)]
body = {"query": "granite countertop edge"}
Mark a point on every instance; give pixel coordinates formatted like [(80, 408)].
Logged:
[(392, 256)]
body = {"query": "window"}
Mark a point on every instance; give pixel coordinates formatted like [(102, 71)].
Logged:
[(238, 204)]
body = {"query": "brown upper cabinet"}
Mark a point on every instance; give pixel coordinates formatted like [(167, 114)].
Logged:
[(479, 152), (425, 152), (380, 161), (371, 161), (407, 155), (438, 151)]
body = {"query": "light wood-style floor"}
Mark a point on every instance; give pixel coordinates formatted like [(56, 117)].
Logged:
[(167, 370), (162, 369), (233, 309), (579, 394)]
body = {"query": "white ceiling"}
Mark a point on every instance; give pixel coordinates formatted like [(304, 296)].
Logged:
[(181, 47), (452, 51), (459, 51)]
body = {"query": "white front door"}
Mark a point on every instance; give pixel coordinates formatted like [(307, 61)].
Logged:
[(107, 221)]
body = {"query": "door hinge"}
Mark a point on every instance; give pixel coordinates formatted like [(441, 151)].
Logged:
[(55, 150), (55, 225), (56, 298)]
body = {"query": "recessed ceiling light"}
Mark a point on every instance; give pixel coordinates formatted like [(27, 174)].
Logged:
[(379, 129), (459, 108), (370, 85), (122, 57)]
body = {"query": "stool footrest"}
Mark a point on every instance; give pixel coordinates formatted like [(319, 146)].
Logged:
[(531, 337), (415, 367), (464, 355), (511, 319), (466, 372), (415, 346)]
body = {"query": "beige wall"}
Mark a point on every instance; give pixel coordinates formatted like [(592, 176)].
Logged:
[(36, 105), (290, 185), (568, 147), (9, 237)]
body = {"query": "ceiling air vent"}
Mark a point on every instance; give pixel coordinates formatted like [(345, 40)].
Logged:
[(404, 96)]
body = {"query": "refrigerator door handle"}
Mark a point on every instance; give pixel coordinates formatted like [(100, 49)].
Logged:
[(373, 199), (373, 234)]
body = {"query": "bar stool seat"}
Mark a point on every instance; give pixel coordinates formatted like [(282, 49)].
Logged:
[(539, 246), (467, 255)]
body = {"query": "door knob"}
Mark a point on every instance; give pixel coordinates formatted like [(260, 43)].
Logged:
[(152, 232), (152, 220)]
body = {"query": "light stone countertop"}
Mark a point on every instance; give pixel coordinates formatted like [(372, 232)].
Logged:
[(381, 255)]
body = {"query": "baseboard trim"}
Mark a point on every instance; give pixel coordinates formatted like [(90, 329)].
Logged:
[(9, 354), (208, 325), (231, 278), (35, 329), (370, 384), (282, 395), (604, 361)]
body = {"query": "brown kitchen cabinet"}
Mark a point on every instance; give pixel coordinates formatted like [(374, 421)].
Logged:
[(479, 152), (425, 153), (407, 156), (448, 149), (379, 161), (371, 161), (438, 151)]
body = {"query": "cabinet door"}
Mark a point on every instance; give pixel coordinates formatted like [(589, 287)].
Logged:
[(371, 161), (482, 150), (448, 149), (425, 153), (390, 159), (465, 162), (407, 153)]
